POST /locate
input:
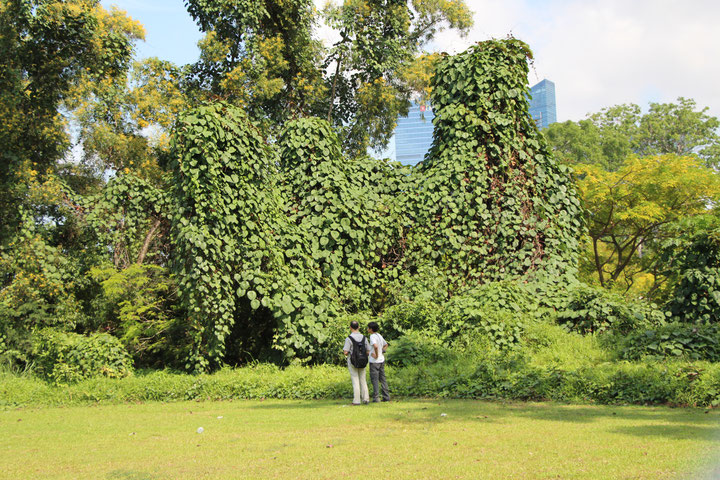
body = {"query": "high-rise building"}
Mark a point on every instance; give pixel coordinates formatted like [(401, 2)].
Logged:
[(542, 104), (414, 134)]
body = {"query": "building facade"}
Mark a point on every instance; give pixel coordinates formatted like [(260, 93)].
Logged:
[(542, 104), (414, 134)]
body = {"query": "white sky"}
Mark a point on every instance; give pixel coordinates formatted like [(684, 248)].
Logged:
[(605, 52), (598, 52)]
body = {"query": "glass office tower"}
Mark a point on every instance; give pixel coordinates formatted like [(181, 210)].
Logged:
[(414, 134), (542, 104)]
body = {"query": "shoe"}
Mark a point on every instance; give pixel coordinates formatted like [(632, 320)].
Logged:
[(388, 400), (375, 400), (355, 404), (366, 402)]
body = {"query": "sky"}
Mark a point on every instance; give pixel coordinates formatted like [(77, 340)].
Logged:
[(598, 53)]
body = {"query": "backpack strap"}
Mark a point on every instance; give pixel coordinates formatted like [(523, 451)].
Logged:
[(359, 343)]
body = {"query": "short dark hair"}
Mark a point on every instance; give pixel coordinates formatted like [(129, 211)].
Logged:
[(354, 325), (373, 326)]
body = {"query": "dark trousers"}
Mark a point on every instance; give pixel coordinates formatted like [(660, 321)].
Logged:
[(377, 375)]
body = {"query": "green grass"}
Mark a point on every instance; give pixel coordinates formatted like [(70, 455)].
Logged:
[(327, 439)]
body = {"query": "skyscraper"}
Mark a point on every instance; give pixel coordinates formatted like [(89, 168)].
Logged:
[(414, 134), (542, 104)]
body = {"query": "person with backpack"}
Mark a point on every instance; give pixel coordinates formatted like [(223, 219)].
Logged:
[(357, 350), (378, 346)]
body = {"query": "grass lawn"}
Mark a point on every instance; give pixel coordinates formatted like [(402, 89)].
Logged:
[(329, 439)]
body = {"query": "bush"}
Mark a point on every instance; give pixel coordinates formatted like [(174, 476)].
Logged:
[(694, 264), (696, 342), (551, 345), (417, 348), (68, 357), (464, 317), (138, 305), (419, 316), (595, 310)]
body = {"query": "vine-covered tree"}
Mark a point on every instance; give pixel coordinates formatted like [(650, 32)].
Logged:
[(282, 251), (491, 201)]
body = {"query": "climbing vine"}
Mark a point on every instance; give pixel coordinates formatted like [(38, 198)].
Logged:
[(490, 201), (275, 238), (346, 208)]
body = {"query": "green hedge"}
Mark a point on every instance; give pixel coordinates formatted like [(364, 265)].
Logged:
[(676, 383), (693, 341), (64, 357)]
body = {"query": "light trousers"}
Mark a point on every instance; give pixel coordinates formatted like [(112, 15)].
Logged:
[(359, 383)]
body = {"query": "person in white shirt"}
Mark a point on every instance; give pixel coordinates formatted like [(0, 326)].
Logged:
[(378, 346)]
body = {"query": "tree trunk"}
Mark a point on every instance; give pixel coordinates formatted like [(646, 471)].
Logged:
[(148, 238), (332, 93)]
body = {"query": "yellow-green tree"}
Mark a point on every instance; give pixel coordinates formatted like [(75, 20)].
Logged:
[(628, 210), (47, 47), (124, 122), (262, 55)]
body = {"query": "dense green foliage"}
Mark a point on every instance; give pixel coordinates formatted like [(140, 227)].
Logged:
[(594, 310), (69, 357), (259, 231), (281, 251), (491, 202), (695, 262), (698, 342)]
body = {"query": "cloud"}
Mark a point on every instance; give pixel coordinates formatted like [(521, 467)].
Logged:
[(602, 53)]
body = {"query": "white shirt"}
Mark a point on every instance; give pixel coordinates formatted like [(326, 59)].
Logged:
[(377, 339)]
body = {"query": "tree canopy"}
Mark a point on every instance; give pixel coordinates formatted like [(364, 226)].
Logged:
[(608, 137), (47, 49), (629, 210), (263, 57)]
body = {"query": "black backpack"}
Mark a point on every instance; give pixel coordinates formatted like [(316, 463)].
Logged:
[(359, 354)]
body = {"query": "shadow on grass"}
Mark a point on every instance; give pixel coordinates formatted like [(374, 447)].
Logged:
[(273, 404), (644, 421), (677, 432)]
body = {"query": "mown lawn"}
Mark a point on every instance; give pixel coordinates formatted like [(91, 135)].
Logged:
[(329, 439)]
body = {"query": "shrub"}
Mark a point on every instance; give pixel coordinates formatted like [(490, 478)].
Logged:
[(69, 357), (465, 316), (551, 345), (493, 375), (595, 310), (696, 342), (694, 263), (416, 348), (138, 305), (420, 316)]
